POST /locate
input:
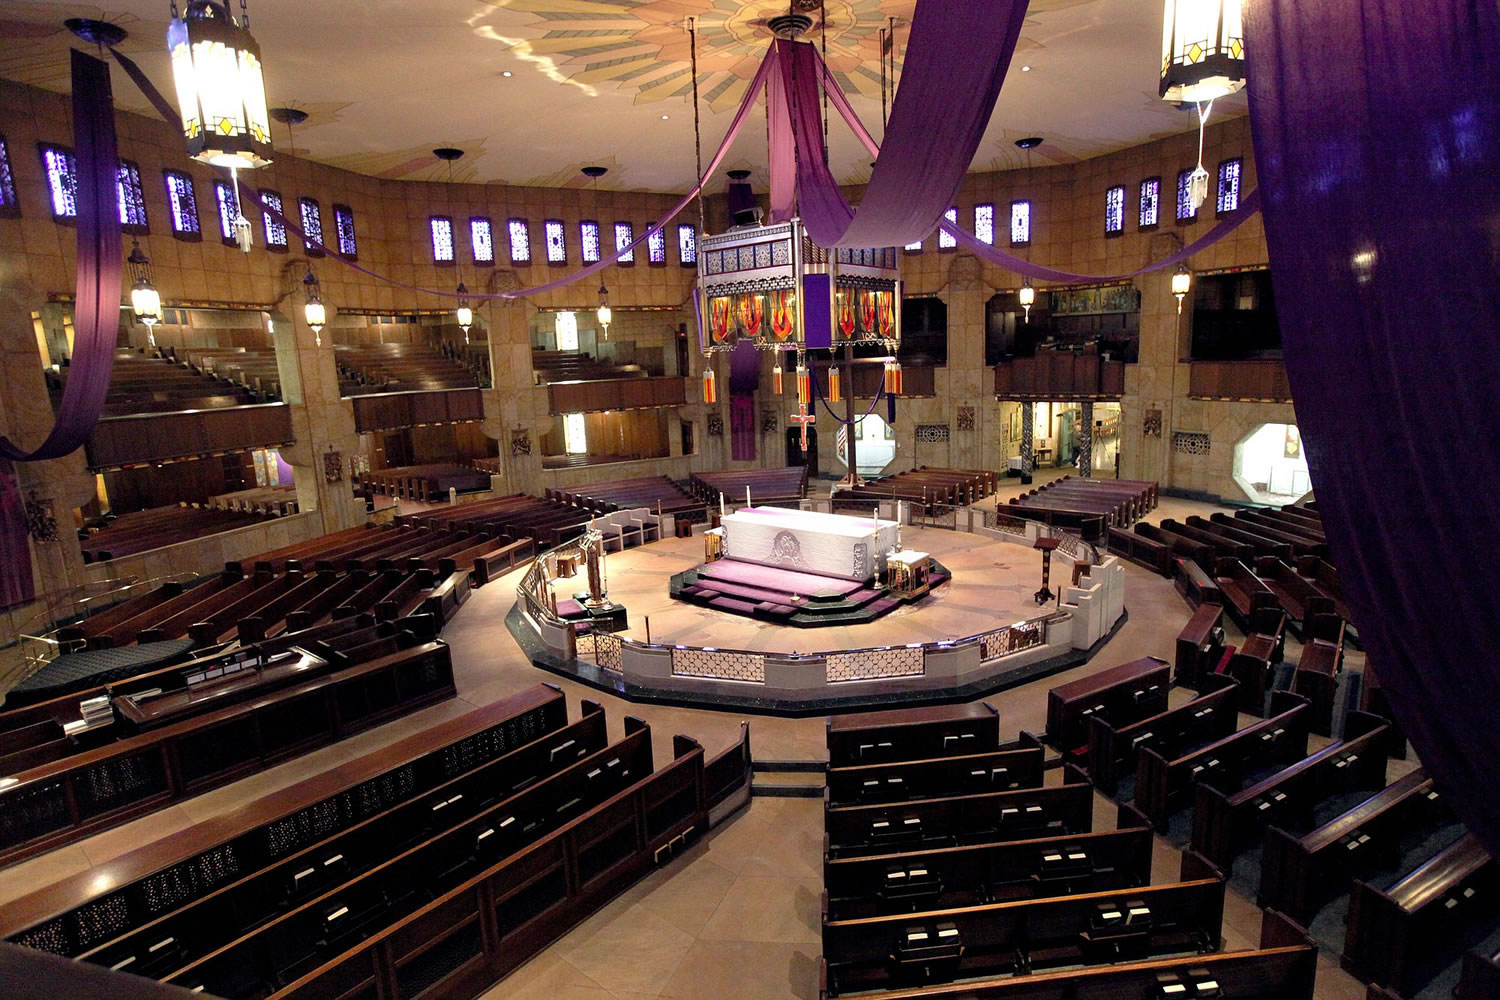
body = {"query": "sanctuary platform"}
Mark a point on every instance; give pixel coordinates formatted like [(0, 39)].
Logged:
[(790, 597), (830, 545)]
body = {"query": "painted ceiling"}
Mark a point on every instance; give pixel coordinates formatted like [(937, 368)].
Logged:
[(536, 89)]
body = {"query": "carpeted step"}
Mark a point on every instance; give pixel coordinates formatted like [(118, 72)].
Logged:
[(732, 604)]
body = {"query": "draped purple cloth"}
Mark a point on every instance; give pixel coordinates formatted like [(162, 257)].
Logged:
[(782, 146), (957, 59), (744, 378), (96, 315), (1377, 140)]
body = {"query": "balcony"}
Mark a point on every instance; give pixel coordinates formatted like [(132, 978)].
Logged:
[(1060, 375), (391, 410), (153, 437), (1251, 381), (616, 394)]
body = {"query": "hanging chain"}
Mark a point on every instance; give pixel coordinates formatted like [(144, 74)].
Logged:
[(883, 37), (692, 27), (893, 64), (244, 16), (823, 30)]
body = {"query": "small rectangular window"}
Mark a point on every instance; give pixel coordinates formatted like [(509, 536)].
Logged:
[(566, 328), (1114, 211), (343, 221), (984, 223), (520, 241), (1150, 202), (132, 199), (229, 209), (624, 236), (588, 239), (687, 245), (442, 239), (656, 248), (275, 231), (575, 440), (913, 247), (62, 181), (312, 226), (482, 240), (1020, 223), (946, 241), (182, 205), (556, 236), (1229, 186), (10, 206), (1185, 210)]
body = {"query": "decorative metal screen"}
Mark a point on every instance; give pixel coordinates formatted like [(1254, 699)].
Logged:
[(946, 241), (687, 244), (1229, 186), (1020, 223), (442, 238), (873, 664), (482, 240), (1004, 522), (1150, 201), (588, 239), (603, 648), (312, 223), (1011, 639), (275, 231), (132, 198), (984, 223), (343, 221), (932, 433), (719, 664), (1190, 443), (557, 241)]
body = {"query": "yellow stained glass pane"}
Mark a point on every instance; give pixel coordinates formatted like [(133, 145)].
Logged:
[(1195, 53), (1237, 48)]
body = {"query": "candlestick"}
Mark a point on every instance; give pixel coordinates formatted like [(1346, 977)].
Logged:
[(721, 504), (747, 496)]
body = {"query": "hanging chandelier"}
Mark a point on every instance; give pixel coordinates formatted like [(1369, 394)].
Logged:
[(313, 310), (1202, 50), (145, 300), (603, 314), (464, 314), (1182, 280), (221, 90), (1026, 295)]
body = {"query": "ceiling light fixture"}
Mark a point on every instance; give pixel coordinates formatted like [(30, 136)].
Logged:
[(313, 310), (1025, 69), (603, 314), (144, 298), (1202, 59), (1026, 295), (462, 313), (1182, 280), (221, 90)]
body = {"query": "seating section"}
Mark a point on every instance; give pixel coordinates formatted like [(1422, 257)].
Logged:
[(658, 493), (927, 486), (427, 483), (252, 368), (766, 486), (1091, 506), (578, 366), (142, 530), (952, 870), (546, 523), (278, 500), (372, 368), (142, 383), (438, 864)]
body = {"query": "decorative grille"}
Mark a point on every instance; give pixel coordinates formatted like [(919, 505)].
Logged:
[(873, 664), (719, 664)]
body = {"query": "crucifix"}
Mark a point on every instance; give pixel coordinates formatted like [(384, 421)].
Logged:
[(804, 418)]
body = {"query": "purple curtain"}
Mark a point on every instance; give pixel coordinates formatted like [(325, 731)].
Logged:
[(744, 378), (782, 146), (1377, 140), (957, 58), (96, 314)]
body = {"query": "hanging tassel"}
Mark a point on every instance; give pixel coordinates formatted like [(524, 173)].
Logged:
[(710, 386), (804, 386), (833, 386), (776, 378), (893, 378)]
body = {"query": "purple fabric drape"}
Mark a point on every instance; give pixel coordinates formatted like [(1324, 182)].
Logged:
[(957, 59), (96, 314), (782, 147), (744, 378), (1377, 140)]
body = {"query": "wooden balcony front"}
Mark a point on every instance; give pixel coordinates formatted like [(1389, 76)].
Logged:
[(616, 394), (391, 410), (1256, 381), (153, 437), (1060, 375)]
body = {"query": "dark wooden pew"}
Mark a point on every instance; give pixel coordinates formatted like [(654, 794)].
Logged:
[(1223, 548), (1200, 646), (1141, 550), (1318, 668), (1244, 592), (1193, 583), (1295, 593), (1262, 546), (1210, 716), (1224, 824), (1120, 694), (1162, 785), (941, 777), (912, 734)]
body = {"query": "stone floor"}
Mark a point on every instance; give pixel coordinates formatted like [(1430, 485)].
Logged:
[(735, 917)]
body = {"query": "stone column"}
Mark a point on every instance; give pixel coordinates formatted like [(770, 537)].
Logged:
[(322, 422), (1028, 423), (515, 409), (1086, 440)]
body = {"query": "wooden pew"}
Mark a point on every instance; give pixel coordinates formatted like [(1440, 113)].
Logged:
[(941, 777), (1200, 646), (912, 734), (1401, 936), (1120, 694), (947, 877), (1480, 979), (1141, 550), (1263, 547), (1254, 664), (1193, 583), (1299, 874), (1296, 594), (1244, 592), (1187, 548), (1209, 717), (1318, 668), (1162, 785), (1224, 823), (1223, 548)]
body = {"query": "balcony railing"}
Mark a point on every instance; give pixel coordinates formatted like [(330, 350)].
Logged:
[(153, 437), (616, 394), (389, 410), (1060, 375), (1261, 381)]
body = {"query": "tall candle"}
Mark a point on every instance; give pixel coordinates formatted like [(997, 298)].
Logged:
[(747, 495), (721, 504)]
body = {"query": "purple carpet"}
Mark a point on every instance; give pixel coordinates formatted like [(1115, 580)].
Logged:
[(781, 580)]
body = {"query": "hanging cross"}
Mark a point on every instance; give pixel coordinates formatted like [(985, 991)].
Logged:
[(804, 418)]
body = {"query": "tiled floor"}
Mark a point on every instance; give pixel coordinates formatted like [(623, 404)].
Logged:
[(737, 915)]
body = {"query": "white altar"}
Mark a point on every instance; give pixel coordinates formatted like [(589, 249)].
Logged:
[(852, 548)]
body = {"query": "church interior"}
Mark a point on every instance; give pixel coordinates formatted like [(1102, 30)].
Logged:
[(744, 500)]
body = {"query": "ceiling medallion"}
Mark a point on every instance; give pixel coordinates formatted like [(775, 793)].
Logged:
[(790, 26)]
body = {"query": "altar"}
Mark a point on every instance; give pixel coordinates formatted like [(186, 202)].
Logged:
[(837, 545)]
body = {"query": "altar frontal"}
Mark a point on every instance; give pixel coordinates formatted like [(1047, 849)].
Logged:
[(852, 548)]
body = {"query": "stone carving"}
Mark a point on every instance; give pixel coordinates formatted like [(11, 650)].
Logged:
[(41, 520), (966, 418), (333, 467), (770, 421), (520, 441), (932, 433), (1151, 424), (716, 425)]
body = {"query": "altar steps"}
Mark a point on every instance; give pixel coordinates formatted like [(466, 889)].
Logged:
[(788, 779), (840, 602)]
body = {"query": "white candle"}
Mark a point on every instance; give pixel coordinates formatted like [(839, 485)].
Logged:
[(721, 505), (747, 495)]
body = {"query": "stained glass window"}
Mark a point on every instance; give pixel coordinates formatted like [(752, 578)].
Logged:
[(656, 248), (343, 221), (557, 241), (182, 204), (229, 209), (624, 236), (588, 238), (984, 223), (482, 240), (1185, 210), (275, 231), (1150, 201), (442, 238), (312, 225), (1229, 186), (520, 241), (62, 181), (9, 205), (1020, 223), (913, 247), (132, 198), (1114, 211), (687, 244), (946, 241)]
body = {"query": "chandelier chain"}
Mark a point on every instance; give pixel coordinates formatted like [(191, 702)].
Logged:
[(697, 126)]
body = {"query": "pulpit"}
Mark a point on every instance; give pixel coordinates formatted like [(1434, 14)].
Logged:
[(910, 573)]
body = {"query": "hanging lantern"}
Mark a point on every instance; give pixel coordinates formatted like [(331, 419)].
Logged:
[(834, 395), (804, 386), (1182, 280), (144, 298), (603, 313), (463, 313), (893, 377), (710, 384), (776, 377), (1027, 297), (1202, 50), (221, 90), (313, 310)]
